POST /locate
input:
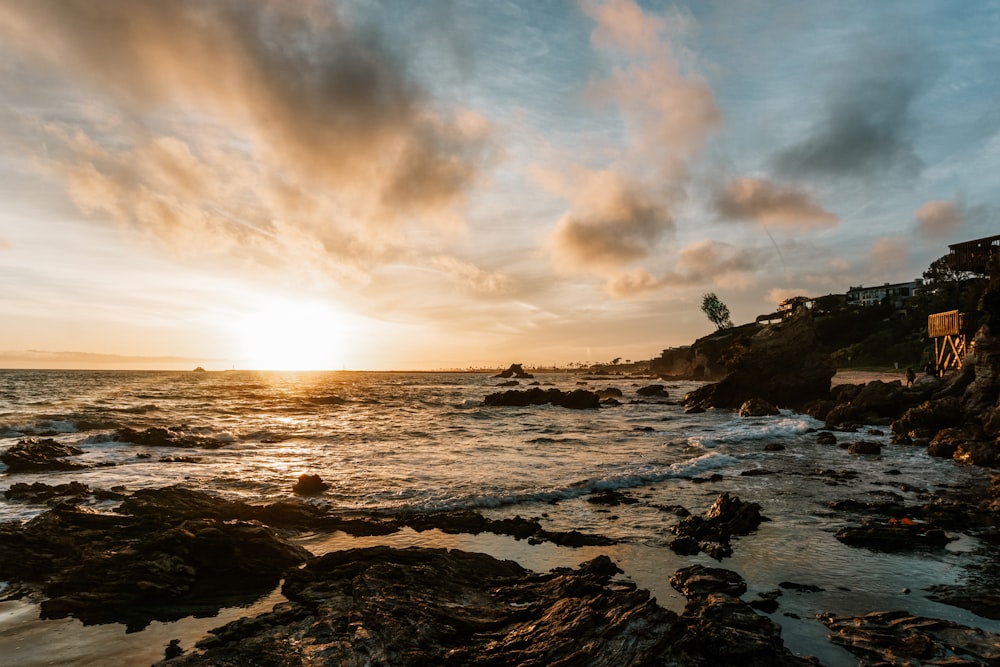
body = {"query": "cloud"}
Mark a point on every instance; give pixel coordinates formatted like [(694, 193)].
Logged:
[(612, 225), (287, 112), (5, 244), (702, 262), (939, 219), (888, 253), (472, 277), (771, 204), (868, 123), (779, 294), (619, 214)]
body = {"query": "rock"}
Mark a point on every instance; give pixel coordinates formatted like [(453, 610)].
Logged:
[(728, 516), (475, 523), (103, 568), (515, 370), (931, 415), (865, 447), (610, 392), (578, 399), (698, 581), (979, 598), (611, 498), (72, 491), (779, 363), (657, 390), (509, 383), (774, 447), (33, 455), (162, 437), (721, 629), (893, 537), (758, 407), (826, 438), (899, 638), (309, 485), (876, 402), (983, 392), (977, 453), (382, 606)]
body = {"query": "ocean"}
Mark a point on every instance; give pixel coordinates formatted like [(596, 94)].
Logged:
[(390, 443)]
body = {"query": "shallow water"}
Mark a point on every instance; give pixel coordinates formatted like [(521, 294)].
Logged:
[(391, 442)]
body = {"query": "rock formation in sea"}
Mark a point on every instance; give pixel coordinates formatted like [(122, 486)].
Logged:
[(779, 363), (516, 371), (578, 399)]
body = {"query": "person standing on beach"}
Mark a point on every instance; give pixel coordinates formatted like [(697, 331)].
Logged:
[(910, 376)]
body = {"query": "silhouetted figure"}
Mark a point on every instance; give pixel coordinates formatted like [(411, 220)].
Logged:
[(930, 368), (173, 649), (910, 376)]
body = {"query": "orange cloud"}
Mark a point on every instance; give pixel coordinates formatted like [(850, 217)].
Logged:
[(772, 204), (939, 219), (888, 253), (291, 119), (620, 213)]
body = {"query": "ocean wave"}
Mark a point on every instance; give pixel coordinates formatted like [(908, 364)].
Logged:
[(755, 429), (40, 427), (332, 399)]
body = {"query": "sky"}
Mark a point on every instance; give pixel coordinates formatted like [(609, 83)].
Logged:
[(362, 184)]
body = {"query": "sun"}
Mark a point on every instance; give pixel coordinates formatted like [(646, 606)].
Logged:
[(292, 335)]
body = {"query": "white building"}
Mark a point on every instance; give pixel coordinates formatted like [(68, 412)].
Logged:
[(897, 294)]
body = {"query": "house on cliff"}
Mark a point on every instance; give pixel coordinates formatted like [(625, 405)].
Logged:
[(897, 294)]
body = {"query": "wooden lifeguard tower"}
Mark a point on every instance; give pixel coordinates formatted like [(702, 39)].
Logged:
[(950, 342)]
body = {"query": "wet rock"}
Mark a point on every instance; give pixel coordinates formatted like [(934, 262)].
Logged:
[(309, 485), (474, 523), (578, 399), (698, 581), (509, 383), (876, 402), (893, 536), (39, 492), (103, 568), (33, 455), (610, 392), (826, 438), (727, 517), (899, 638), (436, 607), (611, 498), (721, 629), (774, 447), (758, 407), (930, 416), (865, 447), (657, 390), (162, 437), (779, 363), (800, 588), (977, 453)]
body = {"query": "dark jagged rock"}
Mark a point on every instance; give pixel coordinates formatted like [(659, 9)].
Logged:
[(163, 437), (104, 568), (33, 455), (929, 415), (894, 536), (712, 533), (780, 363), (899, 638), (610, 392), (411, 607), (515, 370), (39, 492), (435, 607), (657, 390), (876, 402), (721, 629), (309, 485), (474, 523), (758, 407), (578, 399)]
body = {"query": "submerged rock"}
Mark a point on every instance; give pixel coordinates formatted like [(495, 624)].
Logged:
[(904, 535), (33, 455), (758, 407), (310, 485)]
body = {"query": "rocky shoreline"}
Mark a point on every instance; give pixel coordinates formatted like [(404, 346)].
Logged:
[(168, 553)]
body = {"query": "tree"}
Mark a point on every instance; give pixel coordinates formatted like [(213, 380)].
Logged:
[(716, 311)]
